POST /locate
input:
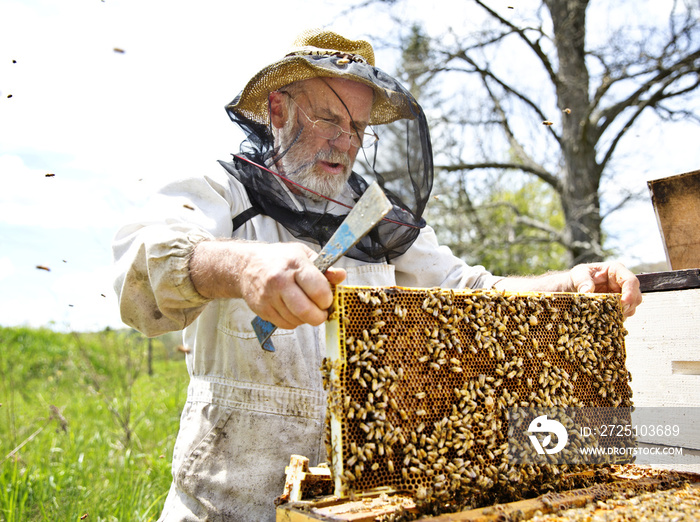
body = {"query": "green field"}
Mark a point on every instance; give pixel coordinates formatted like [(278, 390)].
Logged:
[(87, 425)]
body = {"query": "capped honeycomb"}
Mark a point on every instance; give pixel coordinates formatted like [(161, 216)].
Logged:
[(423, 384)]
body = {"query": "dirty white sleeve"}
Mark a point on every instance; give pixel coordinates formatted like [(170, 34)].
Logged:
[(427, 264), (152, 252)]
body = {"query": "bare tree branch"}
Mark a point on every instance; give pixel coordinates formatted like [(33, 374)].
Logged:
[(528, 163), (454, 167), (535, 46), (640, 106), (661, 80), (485, 72)]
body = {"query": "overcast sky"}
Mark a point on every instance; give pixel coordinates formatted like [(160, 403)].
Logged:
[(102, 101)]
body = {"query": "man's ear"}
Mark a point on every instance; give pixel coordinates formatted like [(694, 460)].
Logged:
[(278, 109)]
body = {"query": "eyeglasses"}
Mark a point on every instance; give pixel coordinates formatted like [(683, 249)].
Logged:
[(330, 131)]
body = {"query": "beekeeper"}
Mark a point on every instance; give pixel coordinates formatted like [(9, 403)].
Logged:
[(208, 253)]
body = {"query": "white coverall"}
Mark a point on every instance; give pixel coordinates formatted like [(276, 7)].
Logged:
[(247, 410)]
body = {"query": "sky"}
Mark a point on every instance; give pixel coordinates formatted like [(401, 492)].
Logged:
[(111, 99), (103, 101)]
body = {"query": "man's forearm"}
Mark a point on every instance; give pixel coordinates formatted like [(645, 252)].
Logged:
[(278, 281), (216, 266), (549, 282), (587, 277)]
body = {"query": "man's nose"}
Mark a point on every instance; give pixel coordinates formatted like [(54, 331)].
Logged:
[(343, 142)]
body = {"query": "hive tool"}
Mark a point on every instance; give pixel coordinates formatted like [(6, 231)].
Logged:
[(367, 212)]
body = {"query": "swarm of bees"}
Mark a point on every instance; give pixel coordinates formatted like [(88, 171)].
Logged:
[(422, 385)]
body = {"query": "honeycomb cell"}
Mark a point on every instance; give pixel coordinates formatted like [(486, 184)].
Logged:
[(422, 382)]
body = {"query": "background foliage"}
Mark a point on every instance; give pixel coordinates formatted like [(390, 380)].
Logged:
[(85, 432)]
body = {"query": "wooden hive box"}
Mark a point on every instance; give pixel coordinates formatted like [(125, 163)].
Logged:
[(676, 201), (663, 357)]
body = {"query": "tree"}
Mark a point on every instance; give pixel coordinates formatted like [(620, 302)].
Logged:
[(538, 99), (499, 232)]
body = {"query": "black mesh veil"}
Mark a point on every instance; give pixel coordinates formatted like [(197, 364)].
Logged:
[(400, 161)]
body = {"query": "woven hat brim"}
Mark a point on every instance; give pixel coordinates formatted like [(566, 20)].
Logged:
[(252, 103)]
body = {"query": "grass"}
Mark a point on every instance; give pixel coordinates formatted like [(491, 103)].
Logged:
[(85, 432)]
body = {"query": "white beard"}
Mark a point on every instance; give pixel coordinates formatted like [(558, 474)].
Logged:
[(296, 166)]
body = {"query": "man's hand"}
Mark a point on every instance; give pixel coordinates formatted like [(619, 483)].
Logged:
[(279, 282), (608, 277)]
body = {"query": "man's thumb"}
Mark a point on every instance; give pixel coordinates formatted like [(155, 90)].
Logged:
[(586, 286)]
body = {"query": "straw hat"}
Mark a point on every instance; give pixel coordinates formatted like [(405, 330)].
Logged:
[(325, 54)]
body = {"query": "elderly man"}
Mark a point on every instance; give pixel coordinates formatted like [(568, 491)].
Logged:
[(210, 253)]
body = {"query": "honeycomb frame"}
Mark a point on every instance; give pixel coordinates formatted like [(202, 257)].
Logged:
[(420, 382)]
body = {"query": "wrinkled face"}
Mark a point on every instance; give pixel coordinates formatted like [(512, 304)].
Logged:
[(312, 160)]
